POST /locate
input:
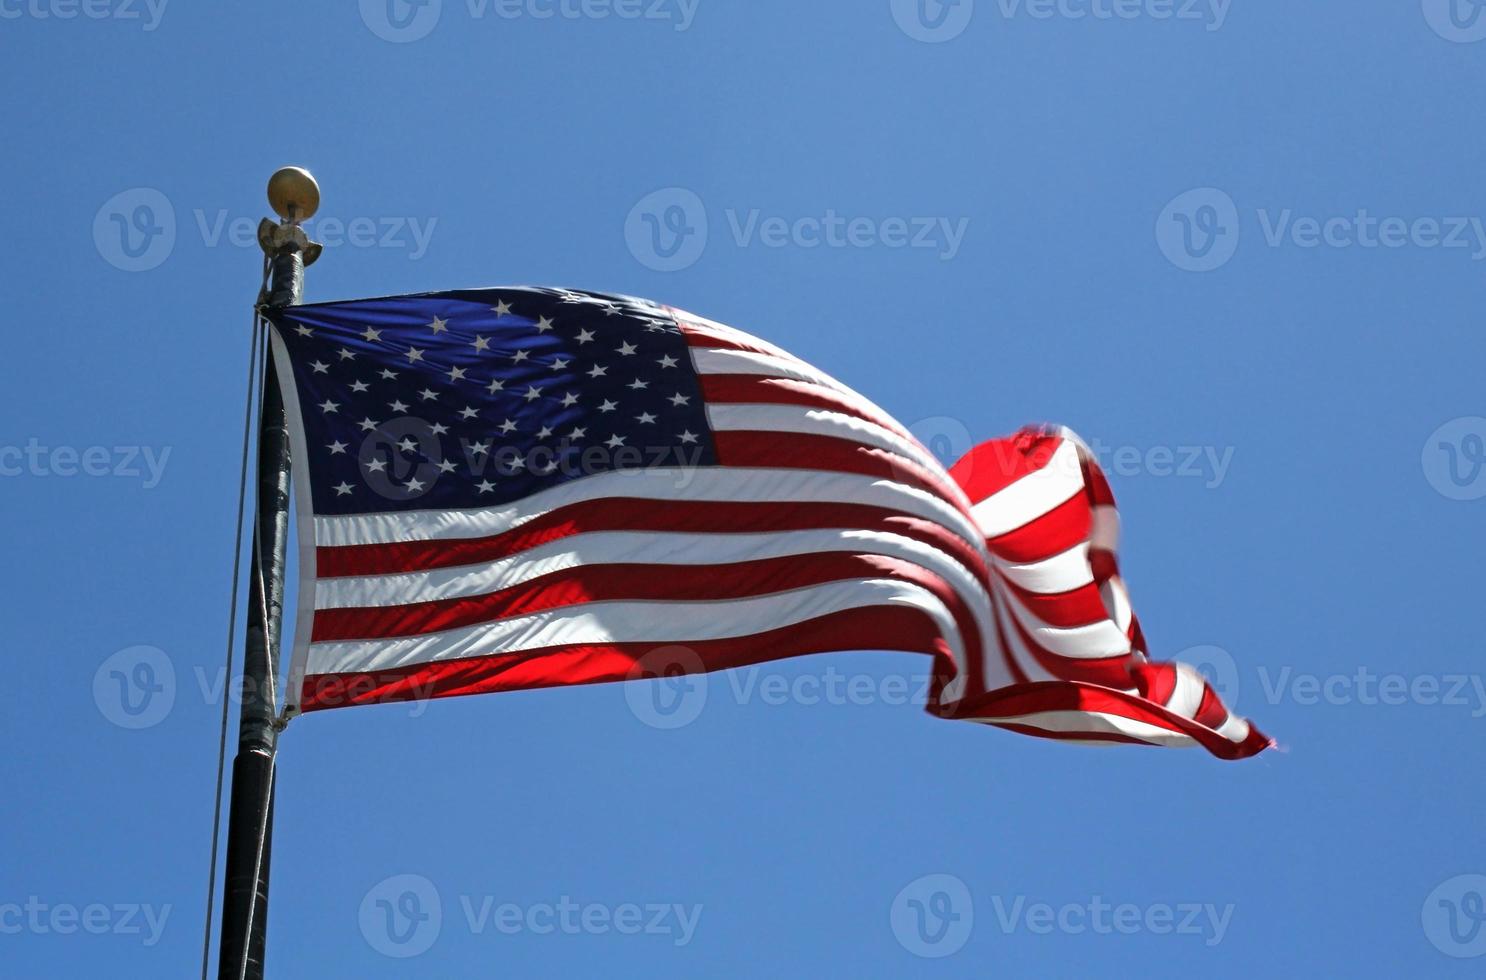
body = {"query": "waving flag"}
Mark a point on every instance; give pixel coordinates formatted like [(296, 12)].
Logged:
[(515, 488)]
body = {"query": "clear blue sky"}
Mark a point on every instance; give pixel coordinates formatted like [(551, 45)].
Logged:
[(1324, 371)]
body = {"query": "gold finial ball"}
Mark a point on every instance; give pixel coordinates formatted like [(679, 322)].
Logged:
[(293, 194)]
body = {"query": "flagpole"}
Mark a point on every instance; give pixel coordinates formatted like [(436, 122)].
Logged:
[(295, 196)]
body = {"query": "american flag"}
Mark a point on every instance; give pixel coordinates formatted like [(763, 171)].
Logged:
[(513, 488)]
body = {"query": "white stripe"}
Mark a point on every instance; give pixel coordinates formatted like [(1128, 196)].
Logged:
[(1105, 530), (1024, 658), (639, 548), (1234, 728), (1063, 572), (1117, 602), (636, 622), (1094, 641), (1033, 495), (1186, 693), (1095, 722), (722, 484)]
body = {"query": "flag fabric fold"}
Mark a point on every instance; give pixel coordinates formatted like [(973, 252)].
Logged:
[(513, 488)]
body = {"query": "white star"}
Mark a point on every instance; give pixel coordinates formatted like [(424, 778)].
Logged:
[(615, 442), (481, 343), (627, 348), (598, 371), (611, 309), (439, 325), (388, 375), (546, 431), (456, 373), (345, 354), (342, 489), (428, 395), (376, 466), (520, 356), (415, 485), (358, 386), (543, 324), (486, 486), (644, 418), (367, 425), (584, 336), (679, 399), (496, 385), (371, 334), (688, 436), (398, 407), (414, 354), (560, 363), (501, 308), (480, 448), (532, 393), (668, 361), (336, 447), (569, 400), (637, 384), (445, 466), (577, 433), (320, 367), (328, 406), (304, 331), (439, 429), (468, 413), (407, 445), (608, 406), (508, 427)]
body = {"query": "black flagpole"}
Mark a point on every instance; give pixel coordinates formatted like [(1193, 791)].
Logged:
[(295, 196)]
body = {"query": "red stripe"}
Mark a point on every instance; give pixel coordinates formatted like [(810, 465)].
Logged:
[(701, 335), (612, 582), (638, 514), (1112, 671), (790, 450), (1061, 528), (875, 628)]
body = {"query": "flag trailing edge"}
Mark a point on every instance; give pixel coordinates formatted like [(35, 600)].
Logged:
[(512, 488)]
